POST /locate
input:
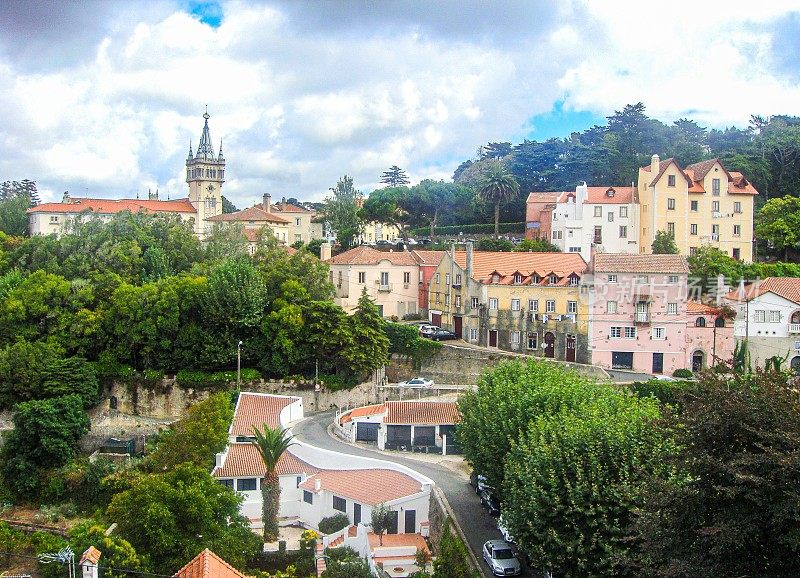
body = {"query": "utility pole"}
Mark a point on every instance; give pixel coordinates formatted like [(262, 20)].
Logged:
[(239, 366)]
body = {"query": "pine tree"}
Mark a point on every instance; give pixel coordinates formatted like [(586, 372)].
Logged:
[(395, 177)]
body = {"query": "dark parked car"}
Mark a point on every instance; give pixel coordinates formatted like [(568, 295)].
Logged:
[(490, 502), (442, 335)]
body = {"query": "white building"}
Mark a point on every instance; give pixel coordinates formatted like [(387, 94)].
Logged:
[(607, 217), (768, 318), (316, 483)]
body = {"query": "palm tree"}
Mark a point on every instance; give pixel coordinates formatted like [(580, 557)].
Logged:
[(497, 184), (271, 443)]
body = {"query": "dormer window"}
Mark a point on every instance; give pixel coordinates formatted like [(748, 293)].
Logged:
[(610, 192), (573, 281), (553, 279), (495, 278), (535, 279), (517, 278)]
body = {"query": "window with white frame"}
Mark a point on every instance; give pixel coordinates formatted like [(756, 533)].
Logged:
[(535, 279), (437, 278), (642, 279), (473, 335), (612, 278), (515, 335), (447, 298), (715, 206), (630, 333), (458, 279), (761, 316), (384, 278), (339, 504), (659, 333), (550, 306), (362, 277), (672, 279), (515, 305), (493, 303), (533, 304), (774, 316), (672, 308), (533, 340), (737, 230), (407, 277), (715, 186), (623, 212), (670, 204), (598, 211), (447, 278), (623, 231), (517, 278), (458, 300), (610, 216), (553, 279), (693, 229), (572, 306), (616, 332), (573, 281), (737, 207), (474, 302), (671, 182), (611, 306)]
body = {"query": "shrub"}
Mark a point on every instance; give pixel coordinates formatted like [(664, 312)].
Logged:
[(485, 228), (338, 382), (667, 392), (682, 373), (333, 523), (200, 379), (495, 245)]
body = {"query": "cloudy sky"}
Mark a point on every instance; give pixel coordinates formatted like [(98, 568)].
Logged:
[(103, 97)]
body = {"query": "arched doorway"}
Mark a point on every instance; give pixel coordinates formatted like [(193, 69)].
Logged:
[(795, 364), (549, 344), (698, 361)]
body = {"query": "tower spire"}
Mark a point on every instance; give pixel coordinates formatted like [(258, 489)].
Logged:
[(205, 149), (190, 150), (220, 157)]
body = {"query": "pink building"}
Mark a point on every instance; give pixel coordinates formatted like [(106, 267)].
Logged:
[(539, 215), (638, 313), (428, 262)]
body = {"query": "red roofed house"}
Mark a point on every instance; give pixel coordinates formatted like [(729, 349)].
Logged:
[(208, 565), (606, 217), (525, 302), (768, 318), (255, 218), (315, 483), (403, 425), (700, 204)]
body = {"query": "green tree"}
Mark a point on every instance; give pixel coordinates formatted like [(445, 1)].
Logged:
[(344, 562), (175, 515), (271, 443), (388, 206), (195, 438), (156, 264), (733, 511), (664, 243), (707, 263), (45, 435), (395, 177), (536, 246), (227, 206), (453, 558), (341, 211), (778, 222), (119, 557), (497, 184), (236, 294), (495, 245), (381, 520), (369, 345), (16, 197)]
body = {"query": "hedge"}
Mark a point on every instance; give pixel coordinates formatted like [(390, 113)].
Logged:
[(486, 228), (196, 378)]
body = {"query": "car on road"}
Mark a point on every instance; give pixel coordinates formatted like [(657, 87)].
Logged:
[(426, 330), (490, 501), (416, 382), (500, 558), (441, 335)]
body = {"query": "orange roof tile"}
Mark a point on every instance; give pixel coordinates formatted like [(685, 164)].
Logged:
[(256, 409), (700, 170), (243, 460), (289, 208), (542, 197), (695, 308), (786, 287), (485, 263), (422, 412), (112, 206), (428, 257), (92, 554), (594, 195), (739, 185), (255, 214), (369, 486), (365, 255), (364, 411), (208, 565), (631, 263), (663, 166)]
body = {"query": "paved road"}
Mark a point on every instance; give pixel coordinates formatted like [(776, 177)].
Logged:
[(478, 526)]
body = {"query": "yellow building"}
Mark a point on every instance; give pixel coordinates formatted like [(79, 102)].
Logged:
[(702, 204), (525, 302)]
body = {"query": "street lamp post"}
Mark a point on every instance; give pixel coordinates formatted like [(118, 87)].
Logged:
[(239, 366)]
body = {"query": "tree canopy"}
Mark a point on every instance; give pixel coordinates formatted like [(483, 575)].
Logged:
[(341, 211), (395, 177)]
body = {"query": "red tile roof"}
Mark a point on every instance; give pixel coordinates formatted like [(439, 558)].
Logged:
[(422, 412), (663, 166), (631, 263), (255, 213), (786, 287), (369, 486), (255, 409), (365, 255), (485, 263), (111, 206), (243, 460), (92, 554), (208, 565), (594, 196), (739, 185), (700, 170), (364, 411), (428, 257), (289, 208), (539, 197), (695, 308)]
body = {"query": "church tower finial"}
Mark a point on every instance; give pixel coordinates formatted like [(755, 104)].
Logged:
[(205, 149), (220, 157), (190, 150)]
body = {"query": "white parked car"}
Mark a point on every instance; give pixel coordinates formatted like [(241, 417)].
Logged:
[(500, 558), (416, 382)]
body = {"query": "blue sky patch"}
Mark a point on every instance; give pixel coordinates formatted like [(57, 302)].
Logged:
[(207, 12), (560, 122)]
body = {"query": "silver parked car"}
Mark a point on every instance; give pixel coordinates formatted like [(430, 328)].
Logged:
[(500, 558)]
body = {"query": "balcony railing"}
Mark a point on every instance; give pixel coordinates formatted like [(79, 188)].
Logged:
[(794, 328), (385, 288), (642, 318)]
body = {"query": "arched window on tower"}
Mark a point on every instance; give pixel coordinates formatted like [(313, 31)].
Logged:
[(700, 322)]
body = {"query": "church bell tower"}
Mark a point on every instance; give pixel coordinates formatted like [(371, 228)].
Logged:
[(205, 173)]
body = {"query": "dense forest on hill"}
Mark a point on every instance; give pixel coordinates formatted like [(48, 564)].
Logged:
[(767, 152)]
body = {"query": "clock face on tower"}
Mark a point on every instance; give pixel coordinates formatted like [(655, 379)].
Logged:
[(210, 188)]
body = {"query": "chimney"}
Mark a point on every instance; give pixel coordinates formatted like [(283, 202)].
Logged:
[(655, 166), (469, 259), (267, 203), (66, 198), (88, 563), (325, 251), (317, 485)]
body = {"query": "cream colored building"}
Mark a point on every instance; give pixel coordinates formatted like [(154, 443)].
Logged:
[(391, 279), (701, 204), (301, 225), (254, 219)]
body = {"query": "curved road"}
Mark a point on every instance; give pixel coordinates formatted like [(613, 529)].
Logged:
[(477, 524)]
